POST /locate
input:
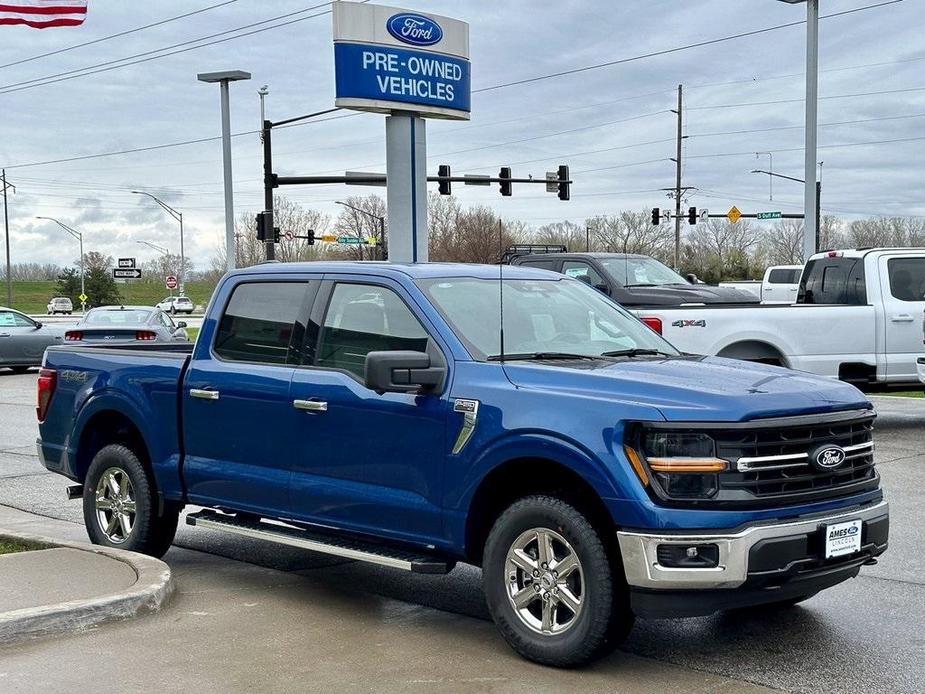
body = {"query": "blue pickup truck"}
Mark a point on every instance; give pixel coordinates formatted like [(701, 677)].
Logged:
[(379, 412)]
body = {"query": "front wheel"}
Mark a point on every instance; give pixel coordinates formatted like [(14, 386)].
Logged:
[(556, 594), (120, 506)]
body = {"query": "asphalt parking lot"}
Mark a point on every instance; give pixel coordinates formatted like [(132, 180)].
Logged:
[(419, 633)]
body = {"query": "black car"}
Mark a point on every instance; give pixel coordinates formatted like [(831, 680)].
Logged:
[(634, 280)]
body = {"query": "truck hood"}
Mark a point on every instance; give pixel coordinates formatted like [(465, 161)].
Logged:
[(677, 294), (693, 388)]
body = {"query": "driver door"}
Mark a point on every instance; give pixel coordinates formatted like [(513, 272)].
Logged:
[(364, 461)]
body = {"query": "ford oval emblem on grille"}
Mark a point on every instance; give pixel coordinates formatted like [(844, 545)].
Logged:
[(827, 457), (414, 29)]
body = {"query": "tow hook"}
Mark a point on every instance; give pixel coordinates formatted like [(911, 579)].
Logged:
[(75, 491), (871, 562)]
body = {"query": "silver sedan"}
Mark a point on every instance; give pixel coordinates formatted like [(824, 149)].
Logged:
[(23, 340), (113, 325)]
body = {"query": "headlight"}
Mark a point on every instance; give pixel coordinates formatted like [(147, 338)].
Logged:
[(683, 463)]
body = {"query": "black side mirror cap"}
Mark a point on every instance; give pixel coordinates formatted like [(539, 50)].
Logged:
[(181, 324), (602, 288), (402, 371), (38, 324)]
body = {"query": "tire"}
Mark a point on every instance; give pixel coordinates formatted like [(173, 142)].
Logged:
[(145, 531), (20, 369), (573, 637)]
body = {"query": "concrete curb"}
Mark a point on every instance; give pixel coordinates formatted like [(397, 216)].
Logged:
[(151, 591)]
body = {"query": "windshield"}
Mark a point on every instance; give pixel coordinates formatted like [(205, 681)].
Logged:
[(635, 272), (116, 317), (555, 316)]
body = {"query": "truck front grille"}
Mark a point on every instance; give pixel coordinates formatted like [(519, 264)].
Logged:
[(775, 462)]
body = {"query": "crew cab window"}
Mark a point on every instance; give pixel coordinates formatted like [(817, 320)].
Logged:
[(783, 276), (8, 319), (582, 271), (834, 281), (262, 320), (363, 318), (907, 278), (541, 264)]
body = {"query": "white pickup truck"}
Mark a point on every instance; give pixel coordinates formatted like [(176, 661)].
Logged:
[(859, 316)]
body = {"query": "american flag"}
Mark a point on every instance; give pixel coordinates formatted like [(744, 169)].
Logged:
[(41, 14)]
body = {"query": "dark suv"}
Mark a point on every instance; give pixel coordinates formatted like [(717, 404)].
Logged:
[(634, 280)]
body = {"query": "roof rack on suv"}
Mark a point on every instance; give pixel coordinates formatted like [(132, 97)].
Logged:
[(520, 249)]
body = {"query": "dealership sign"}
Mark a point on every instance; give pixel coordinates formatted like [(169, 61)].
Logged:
[(387, 59)]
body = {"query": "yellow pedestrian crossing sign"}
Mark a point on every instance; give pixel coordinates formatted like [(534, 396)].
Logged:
[(83, 298), (734, 214)]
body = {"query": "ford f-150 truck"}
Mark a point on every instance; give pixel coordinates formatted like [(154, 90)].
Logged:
[(379, 412), (859, 316)]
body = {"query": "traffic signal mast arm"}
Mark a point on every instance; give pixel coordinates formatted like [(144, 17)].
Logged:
[(380, 179)]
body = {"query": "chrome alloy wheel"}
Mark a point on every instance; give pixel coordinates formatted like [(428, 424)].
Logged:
[(115, 505), (545, 581)]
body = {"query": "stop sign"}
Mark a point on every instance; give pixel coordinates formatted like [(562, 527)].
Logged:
[(171, 282)]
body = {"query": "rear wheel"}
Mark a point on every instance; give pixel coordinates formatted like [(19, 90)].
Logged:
[(20, 369), (553, 590), (120, 506)]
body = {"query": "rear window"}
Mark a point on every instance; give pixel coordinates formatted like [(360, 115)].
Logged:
[(907, 278), (784, 276), (833, 281), (262, 322), (541, 264), (116, 317)]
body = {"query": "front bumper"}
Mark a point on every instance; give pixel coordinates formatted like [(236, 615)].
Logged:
[(768, 554)]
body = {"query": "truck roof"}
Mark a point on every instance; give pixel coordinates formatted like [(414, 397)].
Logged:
[(864, 252), (412, 270)]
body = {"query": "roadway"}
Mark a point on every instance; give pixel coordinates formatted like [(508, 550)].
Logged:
[(861, 636)]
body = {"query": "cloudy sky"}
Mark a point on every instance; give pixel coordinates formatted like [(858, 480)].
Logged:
[(612, 125)]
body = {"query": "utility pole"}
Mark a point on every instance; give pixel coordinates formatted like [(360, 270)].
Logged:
[(677, 188), (6, 228)]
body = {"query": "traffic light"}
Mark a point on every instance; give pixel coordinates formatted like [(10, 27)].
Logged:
[(692, 216), (445, 187), (310, 236), (505, 183), (564, 183), (656, 216), (264, 220)]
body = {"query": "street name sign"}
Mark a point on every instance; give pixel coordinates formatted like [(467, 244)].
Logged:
[(349, 240), (126, 273), (769, 215), (126, 262), (734, 214), (388, 59)]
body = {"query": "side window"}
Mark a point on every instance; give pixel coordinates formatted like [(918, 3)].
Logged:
[(907, 278), (782, 276), (8, 319), (836, 281), (363, 318), (541, 264), (582, 271), (262, 320), (167, 321)]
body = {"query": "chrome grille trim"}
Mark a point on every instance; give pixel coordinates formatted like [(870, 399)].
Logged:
[(753, 464)]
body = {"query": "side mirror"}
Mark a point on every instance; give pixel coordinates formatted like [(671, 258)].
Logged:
[(603, 288), (691, 278), (401, 371), (38, 324), (181, 324)]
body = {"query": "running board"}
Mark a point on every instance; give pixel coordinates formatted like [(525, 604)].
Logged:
[(358, 550)]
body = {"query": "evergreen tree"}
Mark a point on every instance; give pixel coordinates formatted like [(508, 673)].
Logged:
[(68, 285), (101, 288)]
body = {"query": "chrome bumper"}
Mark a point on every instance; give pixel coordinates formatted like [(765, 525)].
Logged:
[(643, 570)]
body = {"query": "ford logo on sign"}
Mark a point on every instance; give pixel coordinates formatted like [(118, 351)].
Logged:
[(414, 29), (827, 457)]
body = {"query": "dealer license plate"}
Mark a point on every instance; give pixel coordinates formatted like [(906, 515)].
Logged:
[(842, 538)]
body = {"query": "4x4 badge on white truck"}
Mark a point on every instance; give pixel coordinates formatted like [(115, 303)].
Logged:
[(470, 412)]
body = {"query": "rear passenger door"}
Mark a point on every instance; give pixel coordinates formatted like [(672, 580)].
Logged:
[(236, 408), (363, 461), (902, 285)]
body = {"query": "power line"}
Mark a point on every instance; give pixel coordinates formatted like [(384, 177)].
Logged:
[(676, 49), (796, 101), (800, 127), (122, 62), (800, 149), (114, 36)]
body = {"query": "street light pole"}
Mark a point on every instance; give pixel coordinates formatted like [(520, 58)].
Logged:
[(6, 227), (818, 211), (771, 171), (179, 217), (80, 237), (223, 78)]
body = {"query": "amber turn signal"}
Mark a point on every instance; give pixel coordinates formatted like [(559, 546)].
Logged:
[(687, 464), (638, 468)]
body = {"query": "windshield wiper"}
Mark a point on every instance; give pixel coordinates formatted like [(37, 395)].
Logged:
[(524, 356), (641, 285), (637, 352)]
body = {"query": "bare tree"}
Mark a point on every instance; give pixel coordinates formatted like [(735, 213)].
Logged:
[(443, 224), (31, 272), (361, 225), (783, 242), (568, 234), (632, 232), (719, 250)]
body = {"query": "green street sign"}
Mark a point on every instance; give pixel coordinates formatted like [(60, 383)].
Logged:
[(349, 240), (769, 215)]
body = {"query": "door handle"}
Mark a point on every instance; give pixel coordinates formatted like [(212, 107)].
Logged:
[(310, 405), (203, 394), (902, 318), (4, 334)]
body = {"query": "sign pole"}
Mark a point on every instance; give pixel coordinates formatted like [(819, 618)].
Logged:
[(812, 89), (406, 171)]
